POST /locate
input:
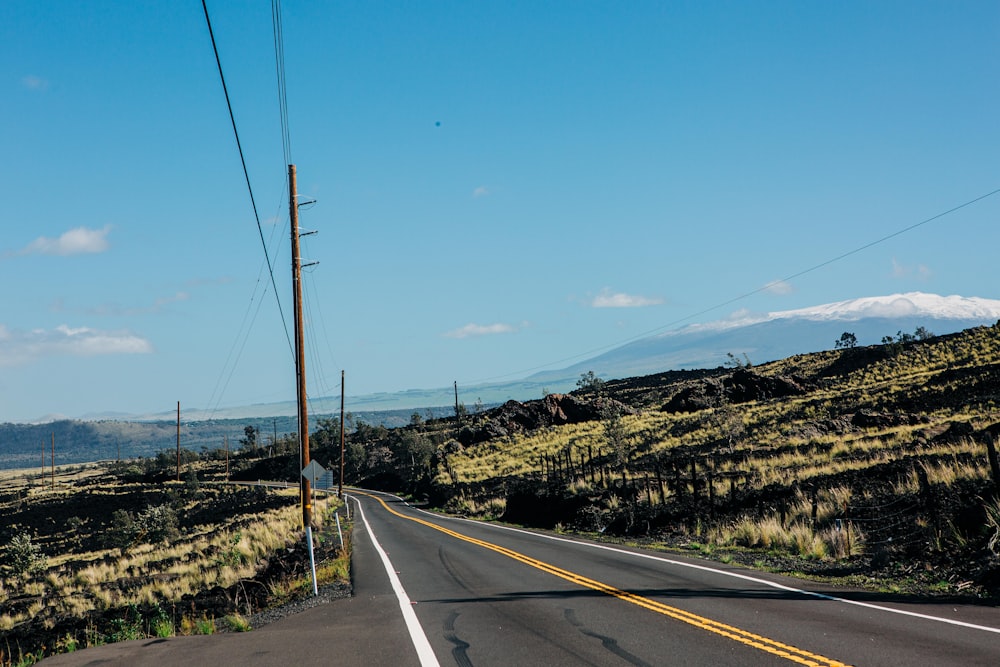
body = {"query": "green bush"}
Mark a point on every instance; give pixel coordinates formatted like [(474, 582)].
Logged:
[(154, 524), (23, 556)]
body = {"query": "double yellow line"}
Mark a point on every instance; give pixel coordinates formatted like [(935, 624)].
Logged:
[(771, 646)]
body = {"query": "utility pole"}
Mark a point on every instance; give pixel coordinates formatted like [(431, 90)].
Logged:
[(178, 441), (456, 398), (53, 460), (340, 487), (305, 487), (226, 441)]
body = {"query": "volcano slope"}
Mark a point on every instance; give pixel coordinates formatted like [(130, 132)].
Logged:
[(873, 465)]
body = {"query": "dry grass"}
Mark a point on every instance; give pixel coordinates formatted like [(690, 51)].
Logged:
[(158, 573), (783, 448)]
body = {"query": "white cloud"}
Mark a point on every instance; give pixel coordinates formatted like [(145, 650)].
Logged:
[(32, 82), (778, 287), (471, 329), (79, 241), (608, 299), (920, 271), (24, 347), (481, 191)]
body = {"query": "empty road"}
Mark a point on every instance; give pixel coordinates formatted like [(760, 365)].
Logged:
[(490, 595)]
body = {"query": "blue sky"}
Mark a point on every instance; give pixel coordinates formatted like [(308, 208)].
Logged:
[(501, 187)]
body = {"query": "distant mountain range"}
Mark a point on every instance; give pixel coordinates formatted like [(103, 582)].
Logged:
[(766, 337), (761, 337)]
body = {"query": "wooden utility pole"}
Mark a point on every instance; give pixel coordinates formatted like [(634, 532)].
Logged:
[(53, 459), (178, 441), (456, 399), (226, 441), (305, 488), (340, 486)]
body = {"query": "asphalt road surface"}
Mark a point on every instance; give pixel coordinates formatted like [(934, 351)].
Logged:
[(432, 590), (489, 595)]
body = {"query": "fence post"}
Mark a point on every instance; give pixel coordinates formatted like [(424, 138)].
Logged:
[(659, 484), (991, 454), (694, 481)]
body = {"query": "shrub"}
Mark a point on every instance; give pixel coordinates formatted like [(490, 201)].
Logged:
[(159, 523), (154, 524), (160, 624), (24, 557), (126, 627), (238, 623)]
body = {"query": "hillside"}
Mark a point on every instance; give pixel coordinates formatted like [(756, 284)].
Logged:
[(869, 461)]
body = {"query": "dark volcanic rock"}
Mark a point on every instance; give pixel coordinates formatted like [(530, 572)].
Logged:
[(697, 396), (554, 410), (871, 419), (742, 386)]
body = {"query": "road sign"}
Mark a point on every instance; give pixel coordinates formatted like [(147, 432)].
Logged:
[(325, 480), (313, 471)]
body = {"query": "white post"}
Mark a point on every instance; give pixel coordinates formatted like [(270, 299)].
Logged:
[(339, 533), (312, 558)]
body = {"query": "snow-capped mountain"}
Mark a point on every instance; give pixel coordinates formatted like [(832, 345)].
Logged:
[(768, 336), (910, 304)]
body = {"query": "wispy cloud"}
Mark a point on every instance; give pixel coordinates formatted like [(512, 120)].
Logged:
[(779, 287), (481, 191), (608, 299), (117, 310), (24, 347), (32, 82), (79, 241), (920, 271), (472, 330)]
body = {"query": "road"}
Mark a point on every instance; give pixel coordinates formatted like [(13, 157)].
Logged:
[(433, 590), (491, 595)]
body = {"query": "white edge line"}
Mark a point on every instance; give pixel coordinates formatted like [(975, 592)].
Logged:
[(726, 573), (423, 647)]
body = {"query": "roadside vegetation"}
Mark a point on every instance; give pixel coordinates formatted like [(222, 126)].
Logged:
[(109, 552), (875, 466)]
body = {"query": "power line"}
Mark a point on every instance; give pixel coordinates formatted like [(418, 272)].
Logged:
[(246, 174), (745, 295), (279, 64)]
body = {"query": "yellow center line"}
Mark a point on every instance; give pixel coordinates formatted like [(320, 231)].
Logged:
[(771, 646)]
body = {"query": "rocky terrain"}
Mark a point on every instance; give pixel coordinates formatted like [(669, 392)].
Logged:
[(874, 466)]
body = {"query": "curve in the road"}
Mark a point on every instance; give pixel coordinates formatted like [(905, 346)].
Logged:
[(747, 638)]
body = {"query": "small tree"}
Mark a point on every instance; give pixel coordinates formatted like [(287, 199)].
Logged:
[(123, 531), (24, 557), (847, 341), (735, 362), (249, 439), (922, 333), (590, 382), (615, 434)]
